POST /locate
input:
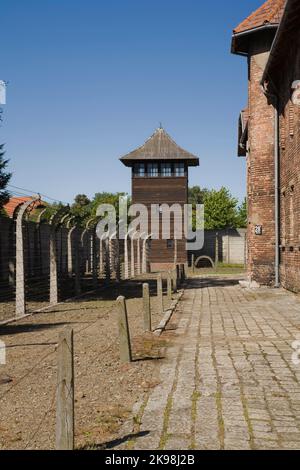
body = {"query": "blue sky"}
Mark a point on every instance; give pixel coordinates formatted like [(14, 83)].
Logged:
[(90, 80)]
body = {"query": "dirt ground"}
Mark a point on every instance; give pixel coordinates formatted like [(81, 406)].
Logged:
[(105, 390)]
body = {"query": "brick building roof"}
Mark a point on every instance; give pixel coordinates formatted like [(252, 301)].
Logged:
[(15, 202), (160, 146), (269, 13)]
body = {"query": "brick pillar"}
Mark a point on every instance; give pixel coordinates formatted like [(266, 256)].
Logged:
[(260, 168)]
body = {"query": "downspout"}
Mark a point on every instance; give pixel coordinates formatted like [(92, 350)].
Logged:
[(275, 99), (277, 200)]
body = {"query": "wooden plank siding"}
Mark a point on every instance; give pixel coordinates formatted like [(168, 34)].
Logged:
[(162, 190)]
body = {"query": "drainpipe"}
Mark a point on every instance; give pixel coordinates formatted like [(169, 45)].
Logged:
[(277, 200), (275, 98)]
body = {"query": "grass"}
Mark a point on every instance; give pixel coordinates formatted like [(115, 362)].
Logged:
[(222, 268)]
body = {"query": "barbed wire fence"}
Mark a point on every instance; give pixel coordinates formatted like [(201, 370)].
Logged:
[(46, 260)]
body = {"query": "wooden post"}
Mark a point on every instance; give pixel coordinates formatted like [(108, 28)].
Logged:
[(160, 294), (169, 281), (65, 392), (147, 308), (125, 346)]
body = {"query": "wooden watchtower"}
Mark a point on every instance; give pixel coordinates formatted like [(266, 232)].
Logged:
[(160, 174)]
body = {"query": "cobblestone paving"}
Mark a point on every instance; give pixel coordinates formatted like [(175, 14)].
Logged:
[(229, 381)]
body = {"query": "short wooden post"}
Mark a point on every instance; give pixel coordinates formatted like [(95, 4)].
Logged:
[(160, 294), (65, 392), (125, 346), (147, 308), (169, 283)]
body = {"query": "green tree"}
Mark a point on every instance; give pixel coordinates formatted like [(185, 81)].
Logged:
[(220, 210), (197, 195), (242, 216), (4, 178), (81, 208)]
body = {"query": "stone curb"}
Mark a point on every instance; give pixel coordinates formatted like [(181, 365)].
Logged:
[(167, 315)]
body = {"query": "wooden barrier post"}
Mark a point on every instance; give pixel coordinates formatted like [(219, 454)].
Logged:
[(169, 283), (65, 392), (125, 346), (147, 308), (160, 294)]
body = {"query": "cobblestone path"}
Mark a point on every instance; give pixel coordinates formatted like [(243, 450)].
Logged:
[(228, 381)]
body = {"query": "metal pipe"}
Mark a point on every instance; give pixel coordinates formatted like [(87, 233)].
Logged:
[(277, 200)]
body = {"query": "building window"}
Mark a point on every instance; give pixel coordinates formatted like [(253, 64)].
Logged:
[(179, 169), (153, 170), (170, 244), (139, 169), (166, 169)]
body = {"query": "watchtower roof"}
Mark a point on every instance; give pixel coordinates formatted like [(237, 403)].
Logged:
[(160, 146)]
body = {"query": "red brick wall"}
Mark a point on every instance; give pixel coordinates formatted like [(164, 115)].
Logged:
[(261, 248), (290, 171)]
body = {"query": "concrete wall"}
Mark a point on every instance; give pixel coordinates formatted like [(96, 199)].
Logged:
[(231, 243)]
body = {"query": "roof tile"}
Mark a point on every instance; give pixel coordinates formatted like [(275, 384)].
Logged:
[(269, 13)]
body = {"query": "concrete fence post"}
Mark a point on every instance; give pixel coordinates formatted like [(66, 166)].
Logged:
[(193, 264), (77, 265), (178, 275), (65, 392), (125, 345), (70, 247), (147, 308), (20, 268), (132, 257), (56, 220), (94, 259), (160, 294), (169, 284), (138, 248), (174, 279), (107, 261), (126, 258)]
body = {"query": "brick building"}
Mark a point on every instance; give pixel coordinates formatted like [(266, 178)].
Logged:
[(269, 137), (160, 175)]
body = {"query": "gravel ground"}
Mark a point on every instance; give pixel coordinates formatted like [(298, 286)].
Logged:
[(105, 390)]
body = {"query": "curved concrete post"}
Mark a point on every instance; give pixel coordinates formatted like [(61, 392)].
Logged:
[(55, 222), (38, 262), (138, 254), (70, 246), (113, 252), (145, 254), (20, 271), (175, 252), (126, 257)]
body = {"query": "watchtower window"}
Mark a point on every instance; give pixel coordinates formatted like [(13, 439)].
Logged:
[(179, 169), (153, 170), (166, 169), (139, 170)]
